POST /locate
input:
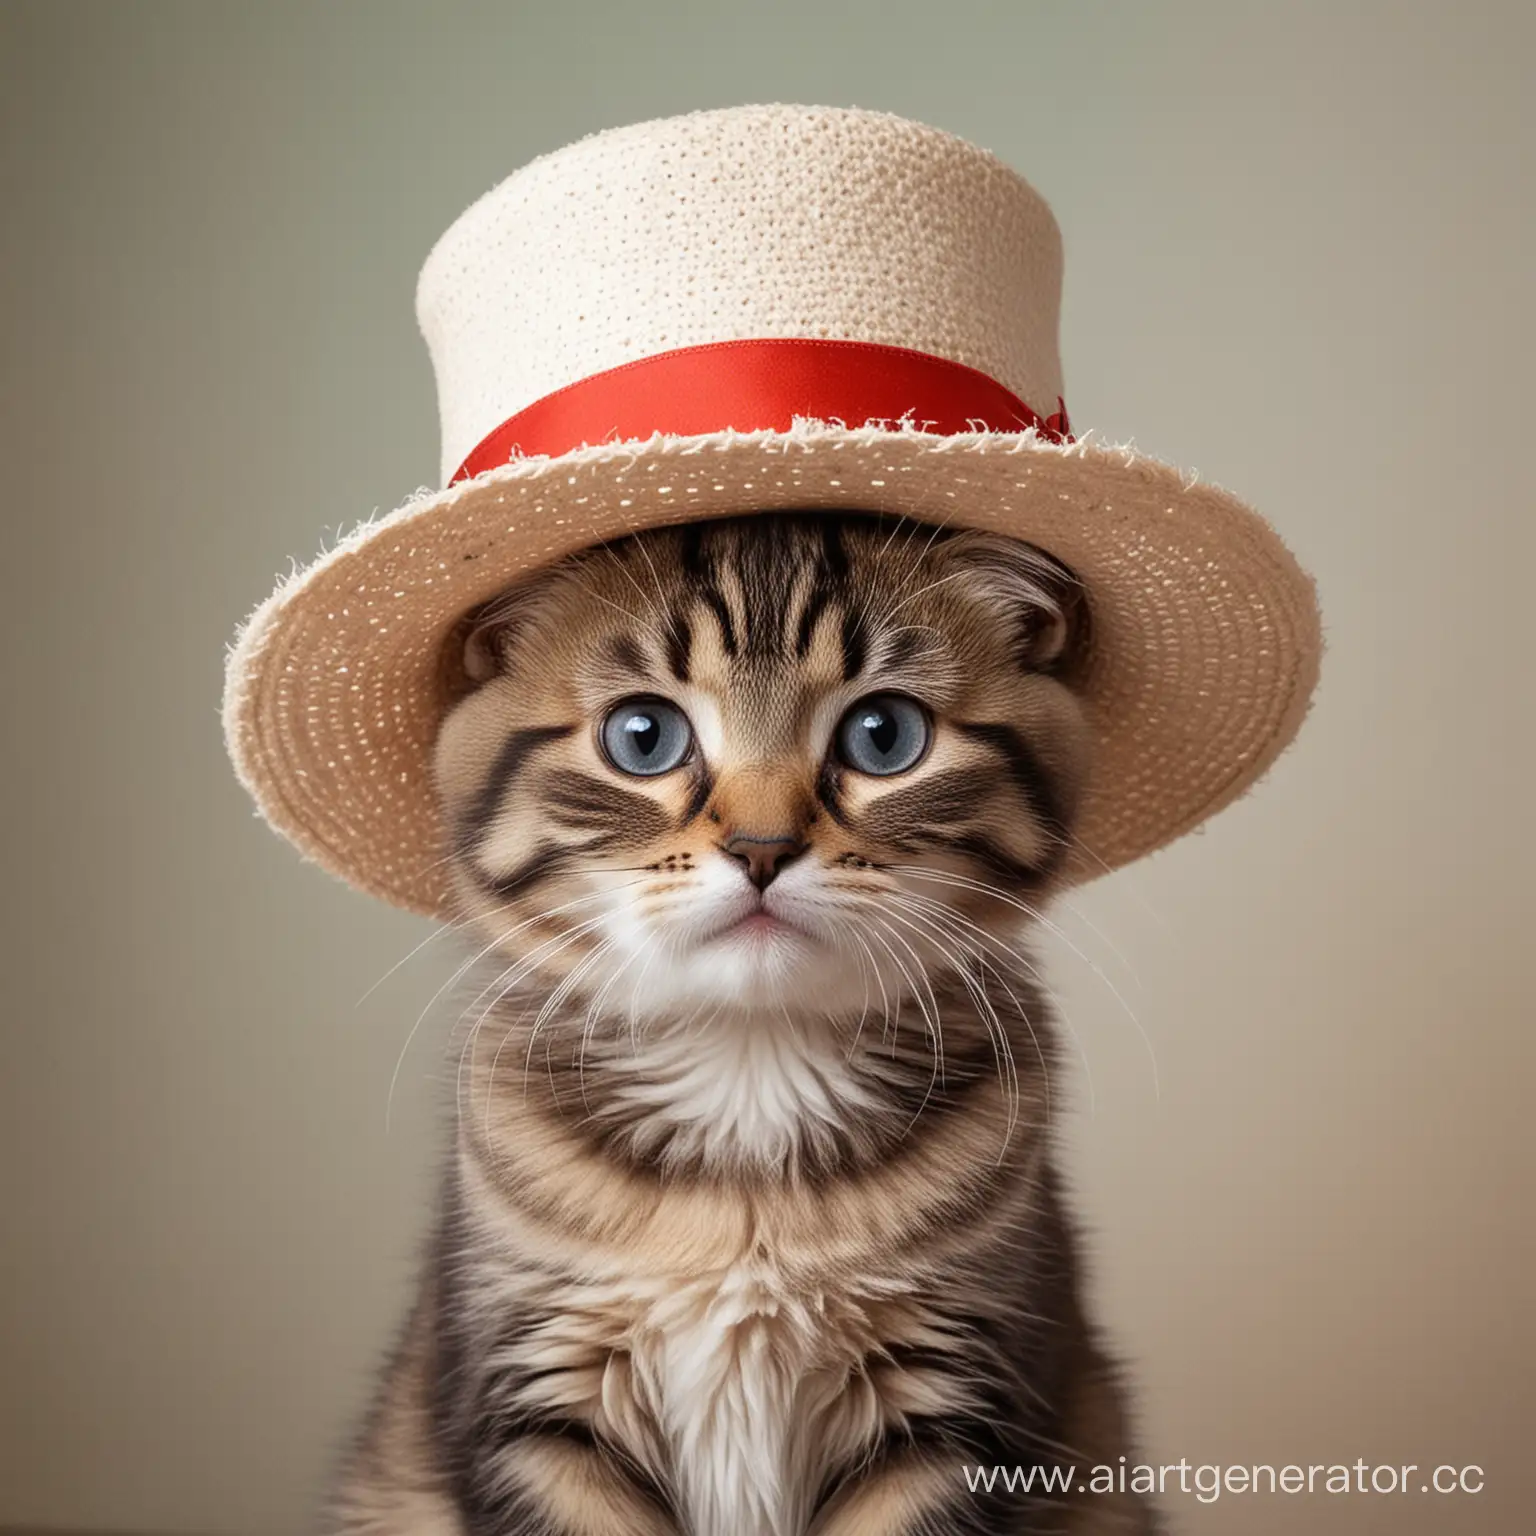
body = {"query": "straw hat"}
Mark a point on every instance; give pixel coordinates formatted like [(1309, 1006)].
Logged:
[(745, 310)]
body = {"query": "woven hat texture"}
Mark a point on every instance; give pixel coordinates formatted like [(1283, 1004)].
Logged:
[(818, 223)]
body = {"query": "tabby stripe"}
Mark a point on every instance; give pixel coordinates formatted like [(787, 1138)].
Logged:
[(832, 549), (854, 634), (978, 848), (514, 753), (829, 783), (547, 859), (1028, 773), (934, 1098), (594, 803), (950, 796), (695, 562), (762, 610), (815, 605), (721, 610), (624, 651), (908, 642), (494, 1506), (476, 1420), (679, 646), (1008, 1422), (698, 796)]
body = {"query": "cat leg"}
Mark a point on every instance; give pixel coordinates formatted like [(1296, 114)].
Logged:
[(393, 1511), (561, 1485), (393, 1483), (905, 1494), (914, 1494)]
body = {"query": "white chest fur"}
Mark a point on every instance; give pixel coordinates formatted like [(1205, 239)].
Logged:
[(754, 1388), (741, 1386), (738, 1093), (741, 1370)]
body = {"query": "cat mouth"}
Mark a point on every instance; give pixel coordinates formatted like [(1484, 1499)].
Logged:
[(757, 926)]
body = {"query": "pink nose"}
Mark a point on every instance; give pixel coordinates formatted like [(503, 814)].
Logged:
[(763, 857)]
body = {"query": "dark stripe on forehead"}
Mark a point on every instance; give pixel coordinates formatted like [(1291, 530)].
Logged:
[(746, 555), (828, 584), (905, 644), (715, 600), (510, 761), (691, 552), (855, 633), (701, 568), (625, 654), (833, 554), (679, 646), (766, 559), (815, 605)]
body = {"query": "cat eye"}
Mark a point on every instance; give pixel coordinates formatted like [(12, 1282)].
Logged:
[(883, 734), (646, 737)]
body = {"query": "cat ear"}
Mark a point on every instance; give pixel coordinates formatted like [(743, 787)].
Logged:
[(483, 652), (488, 635), (1044, 600)]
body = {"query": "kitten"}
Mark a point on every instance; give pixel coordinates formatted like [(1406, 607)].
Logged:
[(751, 1226)]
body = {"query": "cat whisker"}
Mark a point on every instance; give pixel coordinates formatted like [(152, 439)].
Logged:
[(653, 948), (629, 576), (937, 1026), (1126, 881), (467, 1053), (454, 925), (507, 981), (931, 1020), (927, 980), (589, 1023), (1008, 1077), (501, 938), (896, 527), (938, 581), (1101, 936), (915, 565), (540, 917), (966, 882), (661, 598), (933, 1078), (597, 597), (868, 966), (1025, 965), (551, 1003), (858, 1029), (1038, 978), (595, 1002)]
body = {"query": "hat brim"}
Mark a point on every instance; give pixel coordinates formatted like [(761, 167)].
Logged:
[(1206, 645)]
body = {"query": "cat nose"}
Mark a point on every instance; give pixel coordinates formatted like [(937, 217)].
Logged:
[(763, 857)]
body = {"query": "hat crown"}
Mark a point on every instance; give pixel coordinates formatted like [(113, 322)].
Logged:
[(763, 221)]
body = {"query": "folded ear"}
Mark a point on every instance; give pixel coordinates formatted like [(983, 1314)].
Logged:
[(1043, 600), (486, 636), (483, 648)]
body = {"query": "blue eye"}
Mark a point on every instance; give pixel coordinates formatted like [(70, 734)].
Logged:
[(883, 734), (645, 737)]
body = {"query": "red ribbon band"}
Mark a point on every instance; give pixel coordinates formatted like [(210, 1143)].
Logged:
[(757, 384)]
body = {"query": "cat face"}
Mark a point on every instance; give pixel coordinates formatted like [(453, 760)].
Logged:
[(767, 763)]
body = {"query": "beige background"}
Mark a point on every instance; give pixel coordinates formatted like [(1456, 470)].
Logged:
[(1300, 249)]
